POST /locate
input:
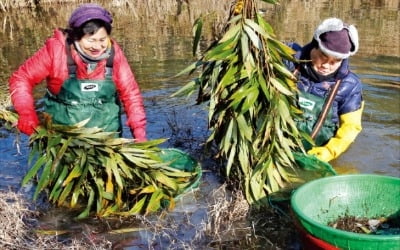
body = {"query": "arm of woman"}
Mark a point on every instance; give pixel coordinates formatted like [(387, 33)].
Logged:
[(22, 82), (129, 94), (350, 109), (350, 127)]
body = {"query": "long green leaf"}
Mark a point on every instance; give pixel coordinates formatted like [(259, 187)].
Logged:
[(61, 152), (191, 68), (44, 179), (74, 173), (163, 179), (35, 168), (221, 54), (111, 162), (85, 213), (250, 99), (222, 50), (231, 76), (123, 166), (137, 208), (197, 28), (155, 201), (187, 90), (264, 25), (277, 83), (244, 46), (65, 193), (57, 187), (231, 158), (231, 34), (253, 37), (244, 127), (253, 25)]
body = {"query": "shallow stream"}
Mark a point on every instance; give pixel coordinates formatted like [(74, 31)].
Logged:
[(156, 37)]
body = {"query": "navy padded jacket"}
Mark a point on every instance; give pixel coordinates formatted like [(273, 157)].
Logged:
[(349, 95)]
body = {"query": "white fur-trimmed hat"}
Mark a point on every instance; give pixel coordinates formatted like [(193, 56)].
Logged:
[(337, 39)]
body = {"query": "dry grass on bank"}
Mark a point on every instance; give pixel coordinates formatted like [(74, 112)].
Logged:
[(17, 223), (225, 211), (225, 224), (219, 227)]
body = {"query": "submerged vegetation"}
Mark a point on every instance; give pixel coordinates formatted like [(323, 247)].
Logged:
[(113, 176)]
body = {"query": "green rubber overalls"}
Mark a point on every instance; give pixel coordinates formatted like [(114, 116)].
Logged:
[(79, 100), (312, 106)]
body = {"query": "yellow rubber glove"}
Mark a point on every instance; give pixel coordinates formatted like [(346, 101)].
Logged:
[(350, 127)]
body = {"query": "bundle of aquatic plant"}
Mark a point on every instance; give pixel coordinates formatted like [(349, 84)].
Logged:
[(96, 172), (8, 118), (252, 101)]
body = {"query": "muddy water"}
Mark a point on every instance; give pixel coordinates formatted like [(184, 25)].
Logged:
[(156, 37)]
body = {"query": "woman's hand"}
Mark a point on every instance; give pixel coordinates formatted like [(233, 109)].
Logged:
[(27, 123)]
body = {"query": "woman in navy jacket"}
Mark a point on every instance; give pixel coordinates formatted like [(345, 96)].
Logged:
[(325, 80)]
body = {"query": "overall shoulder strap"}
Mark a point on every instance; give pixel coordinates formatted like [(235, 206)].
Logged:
[(110, 62), (70, 62), (325, 109)]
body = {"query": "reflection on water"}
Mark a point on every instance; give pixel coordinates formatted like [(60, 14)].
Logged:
[(376, 20), (157, 41)]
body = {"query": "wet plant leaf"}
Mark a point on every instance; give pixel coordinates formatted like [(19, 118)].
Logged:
[(52, 232), (146, 190), (254, 26), (74, 173), (165, 180), (253, 37), (43, 180), (277, 83), (271, 1), (187, 90), (136, 209), (57, 188), (85, 213), (252, 103), (231, 34), (65, 193), (155, 201), (35, 168), (197, 28), (126, 230), (61, 152)]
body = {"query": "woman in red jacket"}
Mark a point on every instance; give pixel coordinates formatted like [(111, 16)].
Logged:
[(87, 76)]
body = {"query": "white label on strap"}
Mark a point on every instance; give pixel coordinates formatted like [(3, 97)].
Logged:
[(306, 103), (89, 87)]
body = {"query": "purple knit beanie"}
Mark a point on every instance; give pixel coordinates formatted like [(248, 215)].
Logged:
[(87, 12)]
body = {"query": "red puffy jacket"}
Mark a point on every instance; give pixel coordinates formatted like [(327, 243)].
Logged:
[(50, 63)]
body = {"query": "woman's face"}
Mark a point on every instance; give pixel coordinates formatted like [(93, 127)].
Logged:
[(95, 45), (322, 63)]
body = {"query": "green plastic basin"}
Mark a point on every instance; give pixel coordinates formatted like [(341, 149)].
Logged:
[(183, 161), (321, 201)]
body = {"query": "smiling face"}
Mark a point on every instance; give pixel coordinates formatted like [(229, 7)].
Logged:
[(322, 63), (95, 45)]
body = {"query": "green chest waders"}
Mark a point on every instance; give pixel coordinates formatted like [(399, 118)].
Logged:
[(312, 107), (79, 100)]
